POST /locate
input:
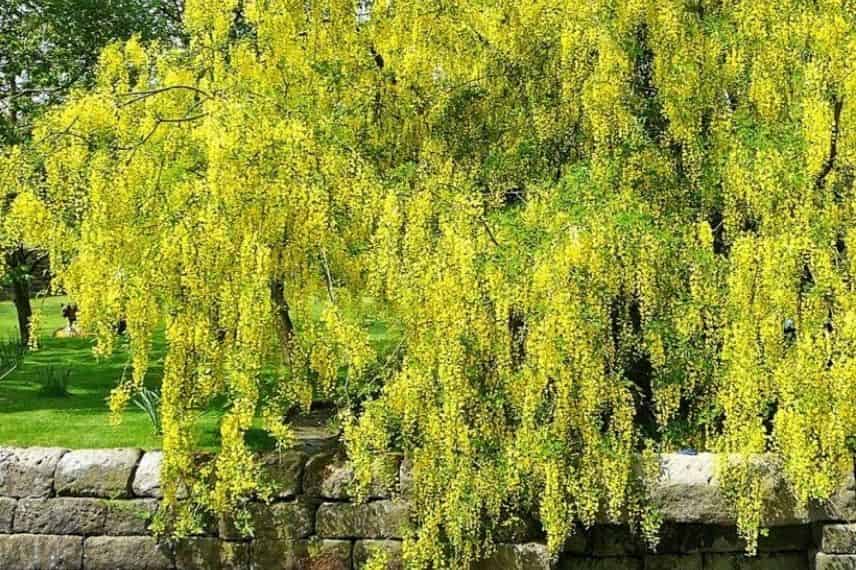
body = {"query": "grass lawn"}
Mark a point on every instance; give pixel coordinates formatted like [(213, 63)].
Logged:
[(30, 418), (81, 419)]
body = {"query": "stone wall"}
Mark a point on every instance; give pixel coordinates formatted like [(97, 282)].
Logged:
[(89, 509)]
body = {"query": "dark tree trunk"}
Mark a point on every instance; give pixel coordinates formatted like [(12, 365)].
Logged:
[(20, 266), (21, 299), (285, 327)]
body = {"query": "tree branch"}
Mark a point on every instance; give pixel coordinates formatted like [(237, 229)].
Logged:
[(829, 163), (328, 276), (137, 96)]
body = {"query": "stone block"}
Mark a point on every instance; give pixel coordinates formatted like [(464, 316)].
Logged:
[(841, 506), (619, 563), (7, 513), (835, 561), (60, 516), (378, 519), (688, 490), (127, 553), (41, 552), (692, 538), (838, 539), (695, 538), (96, 472), (578, 542), (614, 540), (206, 553), (285, 472), (330, 476), (786, 538), (527, 556), (769, 561), (365, 549), (129, 518), (28, 472), (286, 521), (673, 562), (302, 554), (147, 477)]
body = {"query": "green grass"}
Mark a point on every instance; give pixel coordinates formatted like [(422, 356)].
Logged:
[(31, 416), (81, 419)]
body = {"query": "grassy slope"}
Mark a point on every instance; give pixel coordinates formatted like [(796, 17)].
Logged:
[(28, 418)]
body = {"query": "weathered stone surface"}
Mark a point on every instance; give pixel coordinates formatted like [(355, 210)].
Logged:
[(60, 516), (780, 507), (365, 549), (695, 538), (7, 513), (842, 505), (330, 476), (96, 472), (614, 540), (314, 431), (528, 556), (784, 538), (771, 561), (302, 554), (692, 538), (688, 491), (129, 518), (28, 472), (125, 552), (206, 553), (285, 472), (835, 561), (378, 519), (838, 539), (673, 562), (147, 477), (577, 543), (41, 552), (280, 521), (623, 563)]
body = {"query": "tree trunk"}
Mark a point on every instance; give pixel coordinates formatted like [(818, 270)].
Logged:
[(21, 298), (285, 327)]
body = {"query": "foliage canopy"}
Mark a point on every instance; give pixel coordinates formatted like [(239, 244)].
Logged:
[(600, 228)]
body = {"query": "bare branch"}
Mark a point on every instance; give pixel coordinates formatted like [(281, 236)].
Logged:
[(489, 232), (829, 163), (137, 96), (328, 276)]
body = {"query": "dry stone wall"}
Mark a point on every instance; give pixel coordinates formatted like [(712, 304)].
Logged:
[(89, 509)]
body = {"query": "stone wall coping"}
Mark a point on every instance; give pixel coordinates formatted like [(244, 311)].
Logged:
[(687, 492)]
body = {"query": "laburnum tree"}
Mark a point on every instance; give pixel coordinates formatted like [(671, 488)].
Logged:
[(597, 230)]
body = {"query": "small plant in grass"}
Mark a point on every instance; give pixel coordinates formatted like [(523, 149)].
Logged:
[(149, 401), (11, 353), (55, 383)]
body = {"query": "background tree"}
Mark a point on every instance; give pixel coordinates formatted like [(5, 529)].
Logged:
[(48, 48)]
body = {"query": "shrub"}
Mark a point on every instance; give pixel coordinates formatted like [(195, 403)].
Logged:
[(54, 383), (148, 401)]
